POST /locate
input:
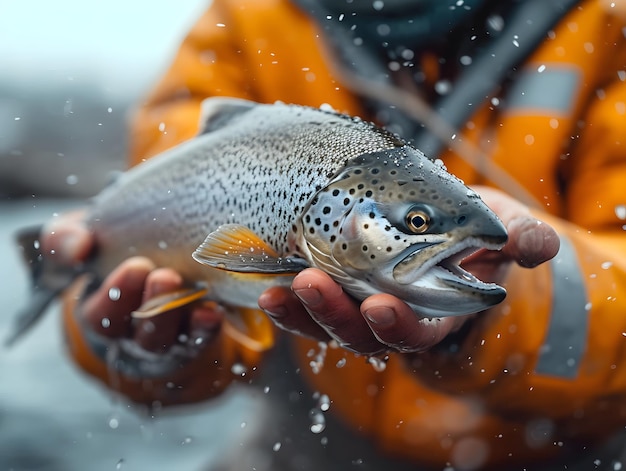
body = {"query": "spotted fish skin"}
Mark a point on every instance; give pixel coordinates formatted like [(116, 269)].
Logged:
[(258, 167), (356, 229), (316, 186)]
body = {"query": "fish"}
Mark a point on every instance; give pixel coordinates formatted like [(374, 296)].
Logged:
[(265, 190)]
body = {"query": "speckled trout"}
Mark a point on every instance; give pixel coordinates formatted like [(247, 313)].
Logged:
[(264, 191)]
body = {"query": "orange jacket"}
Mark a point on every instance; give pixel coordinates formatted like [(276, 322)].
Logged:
[(538, 376)]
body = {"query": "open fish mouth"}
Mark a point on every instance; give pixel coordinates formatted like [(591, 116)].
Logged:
[(444, 267)]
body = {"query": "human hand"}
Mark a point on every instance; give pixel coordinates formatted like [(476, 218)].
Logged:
[(137, 279), (317, 307)]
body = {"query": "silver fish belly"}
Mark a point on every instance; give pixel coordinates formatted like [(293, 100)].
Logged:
[(317, 189)]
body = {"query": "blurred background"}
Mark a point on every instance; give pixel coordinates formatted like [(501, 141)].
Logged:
[(70, 71)]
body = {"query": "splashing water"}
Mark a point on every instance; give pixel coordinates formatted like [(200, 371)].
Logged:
[(379, 364), (317, 363)]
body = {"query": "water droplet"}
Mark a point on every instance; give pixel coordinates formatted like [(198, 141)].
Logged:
[(186, 441), (378, 5), (162, 244), (465, 60), (541, 68), (71, 179), (515, 40), (276, 446), (36, 244), (109, 110), (238, 369), (442, 87), (114, 423), (105, 322), (341, 363), (324, 402), (617, 466), (115, 294), (620, 211), (119, 464), (318, 362), (318, 421), (606, 265), (495, 23), (379, 364)]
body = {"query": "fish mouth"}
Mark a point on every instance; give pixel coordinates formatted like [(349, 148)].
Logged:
[(443, 270)]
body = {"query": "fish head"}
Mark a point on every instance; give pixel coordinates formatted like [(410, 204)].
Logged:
[(395, 222)]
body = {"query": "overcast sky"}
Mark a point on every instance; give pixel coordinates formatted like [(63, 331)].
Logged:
[(135, 38)]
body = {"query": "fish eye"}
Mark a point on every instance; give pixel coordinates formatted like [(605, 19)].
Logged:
[(417, 221)]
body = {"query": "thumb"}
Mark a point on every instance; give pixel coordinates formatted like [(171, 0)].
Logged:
[(531, 241)]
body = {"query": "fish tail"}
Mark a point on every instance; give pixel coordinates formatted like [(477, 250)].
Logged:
[(48, 280)]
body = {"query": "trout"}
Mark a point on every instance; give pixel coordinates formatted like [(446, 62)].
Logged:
[(264, 191)]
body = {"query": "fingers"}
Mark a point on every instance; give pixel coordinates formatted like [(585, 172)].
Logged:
[(108, 310), (395, 324), (67, 238), (532, 241), (319, 308), (160, 332), (335, 311), (288, 313)]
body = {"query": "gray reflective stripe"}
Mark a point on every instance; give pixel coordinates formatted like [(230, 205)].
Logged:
[(552, 90), (566, 339)]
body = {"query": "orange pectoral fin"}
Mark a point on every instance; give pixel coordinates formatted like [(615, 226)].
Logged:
[(167, 302), (236, 248), (251, 328)]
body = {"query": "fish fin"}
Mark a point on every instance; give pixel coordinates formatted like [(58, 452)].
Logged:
[(48, 280), (168, 301), (251, 328), (217, 112), (236, 248)]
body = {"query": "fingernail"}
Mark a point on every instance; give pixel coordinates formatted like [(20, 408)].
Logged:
[(381, 316), (276, 312), (309, 296)]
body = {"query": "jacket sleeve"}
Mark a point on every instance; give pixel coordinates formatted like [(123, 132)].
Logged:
[(556, 347)]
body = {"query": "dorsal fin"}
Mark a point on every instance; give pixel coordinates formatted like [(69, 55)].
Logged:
[(217, 112)]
